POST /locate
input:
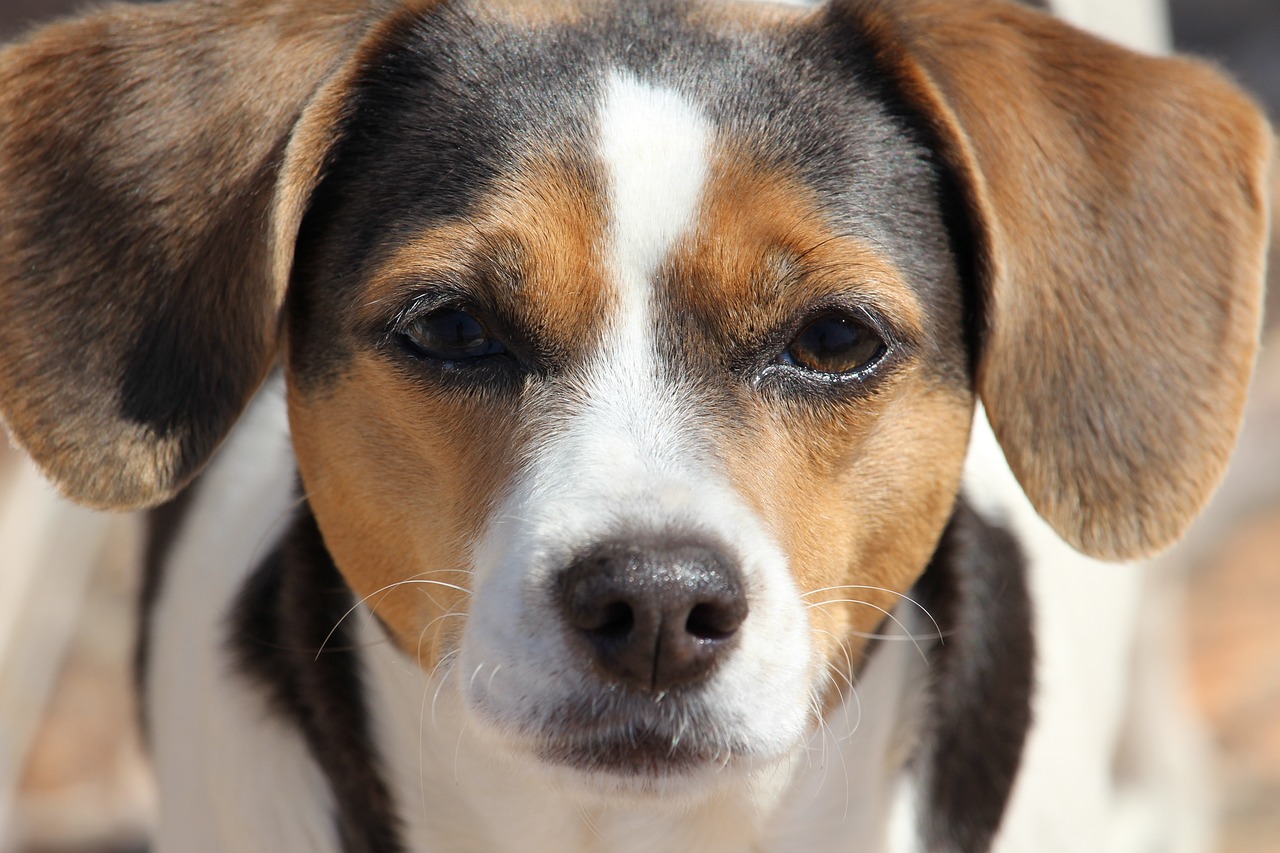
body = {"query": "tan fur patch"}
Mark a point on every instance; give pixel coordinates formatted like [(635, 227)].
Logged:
[(745, 16), (858, 502), (856, 492), (532, 250), (403, 475), (765, 251), (401, 480), (540, 13)]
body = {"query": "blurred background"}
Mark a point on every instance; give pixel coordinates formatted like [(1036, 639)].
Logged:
[(73, 777)]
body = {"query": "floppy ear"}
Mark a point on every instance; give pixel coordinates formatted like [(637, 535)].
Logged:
[(1118, 206), (154, 162)]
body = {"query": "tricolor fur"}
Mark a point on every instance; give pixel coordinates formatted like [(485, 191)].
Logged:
[(370, 622)]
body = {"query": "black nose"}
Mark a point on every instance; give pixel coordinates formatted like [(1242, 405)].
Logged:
[(654, 617)]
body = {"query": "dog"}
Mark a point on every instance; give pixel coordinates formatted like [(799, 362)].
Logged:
[(614, 426)]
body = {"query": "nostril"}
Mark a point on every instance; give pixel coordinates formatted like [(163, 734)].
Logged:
[(590, 611), (615, 621), (713, 621)]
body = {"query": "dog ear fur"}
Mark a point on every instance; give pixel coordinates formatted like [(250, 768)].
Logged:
[(1119, 213), (154, 165)]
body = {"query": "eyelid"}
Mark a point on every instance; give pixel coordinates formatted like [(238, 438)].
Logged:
[(869, 285), (882, 318), (893, 334), (526, 347), (426, 301), (899, 346), (860, 316)]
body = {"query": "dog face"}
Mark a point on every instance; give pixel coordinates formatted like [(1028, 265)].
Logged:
[(631, 349), (633, 335)]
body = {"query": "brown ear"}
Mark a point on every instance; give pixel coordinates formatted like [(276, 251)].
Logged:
[(1118, 206), (145, 228)]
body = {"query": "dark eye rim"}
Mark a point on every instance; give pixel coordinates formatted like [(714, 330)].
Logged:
[(894, 347), (405, 337), (393, 336)]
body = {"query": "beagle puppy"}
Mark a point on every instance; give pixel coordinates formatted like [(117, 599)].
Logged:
[(558, 412)]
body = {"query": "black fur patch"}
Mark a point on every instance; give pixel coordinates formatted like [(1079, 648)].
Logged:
[(983, 679), (277, 635)]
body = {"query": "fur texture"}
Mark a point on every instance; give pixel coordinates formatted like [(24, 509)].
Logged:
[(647, 332)]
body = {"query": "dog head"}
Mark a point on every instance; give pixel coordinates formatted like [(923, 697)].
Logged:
[(645, 337)]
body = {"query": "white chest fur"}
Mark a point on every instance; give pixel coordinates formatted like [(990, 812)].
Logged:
[(231, 775)]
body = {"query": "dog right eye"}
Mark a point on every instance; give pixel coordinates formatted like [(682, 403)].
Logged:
[(835, 344), (449, 334)]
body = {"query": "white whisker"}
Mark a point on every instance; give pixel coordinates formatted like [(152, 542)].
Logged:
[(940, 635), (416, 579)]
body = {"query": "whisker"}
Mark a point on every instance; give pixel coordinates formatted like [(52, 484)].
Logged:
[(414, 580), (872, 635), (892, 638), (422, 635), (848, 679), (938, 634), (895, 620), (472, 682), (273, 533), (435, 723), (844, 764), (457, 755), (857, 703), (901, 595), (425, 628), (587, 819), (840, 753)]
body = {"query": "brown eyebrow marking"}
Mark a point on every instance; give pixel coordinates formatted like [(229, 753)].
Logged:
[(531, 251), (764, 250)]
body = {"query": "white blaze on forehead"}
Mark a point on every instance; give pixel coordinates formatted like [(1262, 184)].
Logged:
[(628, 461), (654, 145)]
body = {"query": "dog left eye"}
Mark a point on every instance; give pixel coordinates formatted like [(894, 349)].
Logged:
[(450, 334), (835, 344)]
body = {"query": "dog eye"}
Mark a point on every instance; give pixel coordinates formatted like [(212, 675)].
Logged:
[(450, 334), (835, 344)]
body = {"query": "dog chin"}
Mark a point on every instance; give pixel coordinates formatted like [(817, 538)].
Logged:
[(645, 768), (663, 756)]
